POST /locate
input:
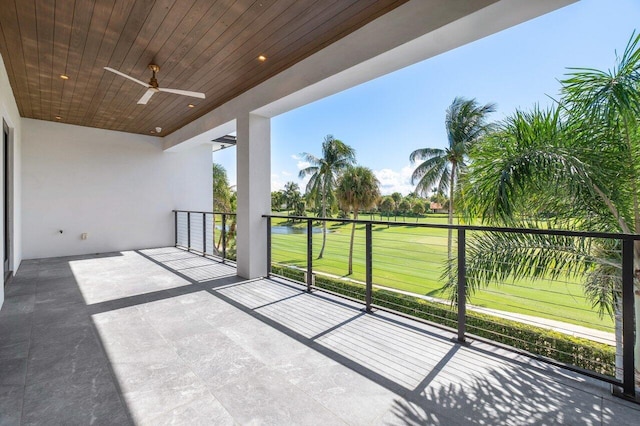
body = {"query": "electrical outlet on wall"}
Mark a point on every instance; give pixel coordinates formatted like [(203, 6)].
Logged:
[(84, 236)]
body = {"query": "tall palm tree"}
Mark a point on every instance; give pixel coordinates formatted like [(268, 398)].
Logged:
[(466, 123), (324, 172), (358, 188), (582, 160)]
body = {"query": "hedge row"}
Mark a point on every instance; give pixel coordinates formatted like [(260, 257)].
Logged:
[(561, 347)]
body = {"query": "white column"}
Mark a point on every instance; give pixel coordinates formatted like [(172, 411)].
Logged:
[(253, 156)]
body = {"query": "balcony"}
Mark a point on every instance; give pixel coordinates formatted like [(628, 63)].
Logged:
[(152, 336), (166, 336)]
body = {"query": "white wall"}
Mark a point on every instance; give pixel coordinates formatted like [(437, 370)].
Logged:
[(9, 112), (120, 188)]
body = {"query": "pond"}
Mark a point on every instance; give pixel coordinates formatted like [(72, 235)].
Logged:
[(281, 229)]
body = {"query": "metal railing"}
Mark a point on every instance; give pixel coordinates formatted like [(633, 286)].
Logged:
[(206, 233), (401, 267)]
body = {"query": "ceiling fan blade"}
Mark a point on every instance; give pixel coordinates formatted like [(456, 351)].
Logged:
[(126, 76), (147, 95), (184, 93)]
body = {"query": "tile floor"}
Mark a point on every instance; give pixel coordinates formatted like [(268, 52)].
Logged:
[(162, 336)]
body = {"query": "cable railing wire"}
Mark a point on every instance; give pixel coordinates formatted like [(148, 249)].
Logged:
[(392, 260)]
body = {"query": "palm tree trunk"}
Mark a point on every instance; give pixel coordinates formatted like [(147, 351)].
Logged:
[(450, 220), (324, 223), (353, 232)]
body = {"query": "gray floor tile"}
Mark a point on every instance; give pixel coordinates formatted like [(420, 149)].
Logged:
[(15, 328), (13, 371), (202, 411), (55, 320), (20, 304), (20, 288), (152, 389), (216, 359), (85, 397), (14, 350), (45, 285), (63, 354), (58, 298), (10, 404), (265, 398), (620, 412), (334, 387), (268, 346), (131, 339)]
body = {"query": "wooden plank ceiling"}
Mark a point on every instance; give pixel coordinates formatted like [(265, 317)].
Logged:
[(209, 46)]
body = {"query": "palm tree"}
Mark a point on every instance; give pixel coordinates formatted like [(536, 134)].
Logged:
[(397, 198), (404, 207), (466, 124), (291, 195), (418, 209), (324, 172), (221, 191), (277, 199), (386, 206), (221, 196), (582, 160), (358, 188)]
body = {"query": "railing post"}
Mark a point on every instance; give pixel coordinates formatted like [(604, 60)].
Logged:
[(369, 268), (268, 247), (309, 254), (188, 230), (204, 233), (628, 332), (175, 226), (224, 237), (462, 286)]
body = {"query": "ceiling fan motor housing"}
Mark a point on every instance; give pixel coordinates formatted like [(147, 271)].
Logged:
[(154, 82)]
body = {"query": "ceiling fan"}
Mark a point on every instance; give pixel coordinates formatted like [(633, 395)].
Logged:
[(152, 86)]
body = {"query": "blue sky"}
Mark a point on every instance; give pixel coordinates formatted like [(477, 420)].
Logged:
[(387, 118)]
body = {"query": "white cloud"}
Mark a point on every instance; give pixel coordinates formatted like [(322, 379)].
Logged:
[(277, 182), (303, 164), (392, 181)]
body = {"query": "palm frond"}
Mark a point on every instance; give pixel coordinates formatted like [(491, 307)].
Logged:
[(493, 258)]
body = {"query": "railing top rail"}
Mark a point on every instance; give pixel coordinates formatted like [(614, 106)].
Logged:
[(201, 212), (556, 232)]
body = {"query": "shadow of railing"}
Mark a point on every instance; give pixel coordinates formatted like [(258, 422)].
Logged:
[(436, 380)]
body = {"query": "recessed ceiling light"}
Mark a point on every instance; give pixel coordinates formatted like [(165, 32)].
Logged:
[(191, 106), (262, 58), (64, 76), (58, 117)]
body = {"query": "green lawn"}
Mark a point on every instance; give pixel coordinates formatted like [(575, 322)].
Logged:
[(411, 258)]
